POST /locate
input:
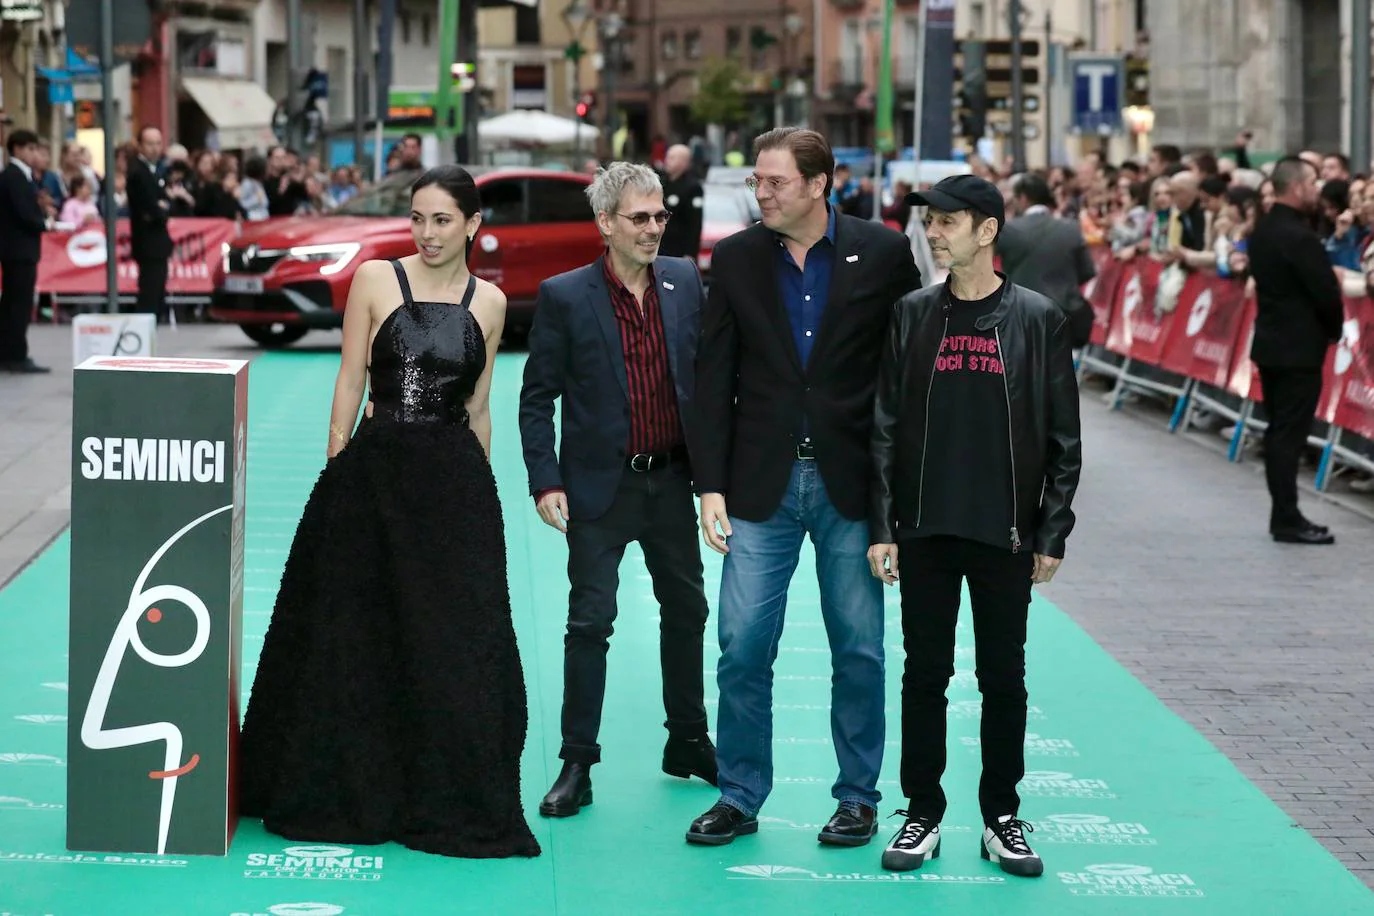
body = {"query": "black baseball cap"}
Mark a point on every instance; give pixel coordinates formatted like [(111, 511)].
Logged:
[(963, 192)]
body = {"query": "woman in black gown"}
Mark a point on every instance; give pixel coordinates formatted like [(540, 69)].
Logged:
[(389, 703)]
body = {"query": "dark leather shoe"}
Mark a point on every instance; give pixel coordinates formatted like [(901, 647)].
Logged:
[(571, 792), (26, 367), (852, 824), (1305, 535), (721, 825), (688, 757)]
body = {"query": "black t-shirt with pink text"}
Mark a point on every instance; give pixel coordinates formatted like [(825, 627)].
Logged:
[(967, 488)]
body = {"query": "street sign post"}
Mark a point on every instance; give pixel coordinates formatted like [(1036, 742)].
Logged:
[(1099, 84)]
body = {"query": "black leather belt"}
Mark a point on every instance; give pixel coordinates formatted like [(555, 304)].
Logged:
[(806, 451), (654, 461)]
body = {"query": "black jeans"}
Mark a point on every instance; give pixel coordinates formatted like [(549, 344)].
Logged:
[(932, 572), (1290, 403), (152, 288), (654, 508), (17, 281)]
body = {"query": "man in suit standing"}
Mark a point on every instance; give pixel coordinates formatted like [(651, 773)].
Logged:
[(1299, 313), (616, 341), (790, 343), (21, 245), (684, 198), (1047, 254), (149, 209)]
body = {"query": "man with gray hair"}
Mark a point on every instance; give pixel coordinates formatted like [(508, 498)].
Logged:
[(616, 341)]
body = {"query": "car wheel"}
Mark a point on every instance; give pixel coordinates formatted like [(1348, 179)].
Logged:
[(273, 335)]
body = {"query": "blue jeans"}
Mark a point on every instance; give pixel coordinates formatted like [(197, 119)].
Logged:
[(753, 595)]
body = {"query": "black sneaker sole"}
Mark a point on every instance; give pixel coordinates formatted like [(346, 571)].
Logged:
[(1021, 868), (722, 839), (896, 860)]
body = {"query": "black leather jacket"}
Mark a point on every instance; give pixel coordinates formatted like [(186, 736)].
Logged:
[(1042, 398)]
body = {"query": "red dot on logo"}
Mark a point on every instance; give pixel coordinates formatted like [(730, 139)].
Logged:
[(154, 615)]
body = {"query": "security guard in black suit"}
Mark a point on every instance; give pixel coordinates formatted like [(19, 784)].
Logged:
[(21, 245)]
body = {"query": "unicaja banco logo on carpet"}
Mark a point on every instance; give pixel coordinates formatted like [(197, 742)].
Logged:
[(793, 873)]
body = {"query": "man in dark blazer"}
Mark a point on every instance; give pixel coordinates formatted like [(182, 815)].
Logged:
[(21, 245), (616, 341), (149, 209), (790, 344), (1047, 254), (1298, 316)]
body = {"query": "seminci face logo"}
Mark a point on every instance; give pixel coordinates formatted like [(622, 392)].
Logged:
[(1122, 879), (142, 605), (315, 863)]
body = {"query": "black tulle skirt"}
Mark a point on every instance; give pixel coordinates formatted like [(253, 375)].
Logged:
[(389, 703)]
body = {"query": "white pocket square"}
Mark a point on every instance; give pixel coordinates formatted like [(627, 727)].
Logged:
[(667, 285), (852, 258)]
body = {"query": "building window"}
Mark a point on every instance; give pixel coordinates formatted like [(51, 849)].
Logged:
[(527, 25), (403, 19), (669, 46), (691, 44), (977, 18), (424, 29), (734, 37)]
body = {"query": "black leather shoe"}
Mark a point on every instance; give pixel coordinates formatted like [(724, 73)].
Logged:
[(571, 792), (688, 757), (852, 824), (1306, 535), (721, 825), (24, 367)]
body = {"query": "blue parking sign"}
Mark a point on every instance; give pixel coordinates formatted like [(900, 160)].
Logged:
[(1098, 88)]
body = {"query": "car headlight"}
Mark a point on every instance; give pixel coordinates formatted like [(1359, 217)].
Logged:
[(333, 258)]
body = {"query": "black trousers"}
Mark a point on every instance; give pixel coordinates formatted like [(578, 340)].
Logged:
[(654, 508), (1290, 402), (932, 572), (17, 282), (152, 288)]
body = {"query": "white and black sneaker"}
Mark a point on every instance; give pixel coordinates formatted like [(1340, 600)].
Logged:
[(1005, 843), (917, 841)]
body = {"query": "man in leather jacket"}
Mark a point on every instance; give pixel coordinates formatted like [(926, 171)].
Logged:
[(976, 457)]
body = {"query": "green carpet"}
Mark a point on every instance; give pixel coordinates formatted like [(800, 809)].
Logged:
[(1126, 799)]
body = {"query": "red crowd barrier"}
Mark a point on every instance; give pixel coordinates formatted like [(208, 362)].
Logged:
[(1206, 336), (73, 262)]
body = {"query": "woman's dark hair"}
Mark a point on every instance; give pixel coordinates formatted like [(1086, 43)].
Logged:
[(255, 168), (454, 181), (75, 183), (1337, 193)]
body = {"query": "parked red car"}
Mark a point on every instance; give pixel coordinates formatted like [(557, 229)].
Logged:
[(282, 278)]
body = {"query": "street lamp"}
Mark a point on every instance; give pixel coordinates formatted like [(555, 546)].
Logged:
[(575, 16)]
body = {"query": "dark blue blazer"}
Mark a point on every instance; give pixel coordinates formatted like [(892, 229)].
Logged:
[(575, 354)]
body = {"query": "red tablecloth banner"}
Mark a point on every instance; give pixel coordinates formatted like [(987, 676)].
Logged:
[(1136, 329), (1102, 291), (74, 262), (1352, 371), (1202, 342)]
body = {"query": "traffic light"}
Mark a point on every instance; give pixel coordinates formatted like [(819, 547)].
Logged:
[(585, 104), (982, 75), (1137, 81)]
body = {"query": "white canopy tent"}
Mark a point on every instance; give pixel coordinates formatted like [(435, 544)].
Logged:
[(534, 128)]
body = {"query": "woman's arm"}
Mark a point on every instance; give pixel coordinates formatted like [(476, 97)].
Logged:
[(491, 315), (352, 380)]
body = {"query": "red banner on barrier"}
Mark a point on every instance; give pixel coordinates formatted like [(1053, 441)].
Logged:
[(1352, 371), (1202, 342), (74, 262), (1137, 330), (1101, 291), (1244, 381)]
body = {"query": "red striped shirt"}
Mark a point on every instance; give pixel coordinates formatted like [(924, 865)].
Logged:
[(655, 426)]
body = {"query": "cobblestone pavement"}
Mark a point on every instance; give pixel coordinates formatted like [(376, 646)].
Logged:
[(1264, 648)]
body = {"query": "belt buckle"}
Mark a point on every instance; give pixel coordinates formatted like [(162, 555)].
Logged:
[(648, 463)]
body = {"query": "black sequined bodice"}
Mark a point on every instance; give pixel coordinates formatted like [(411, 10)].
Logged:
[(426, 360)]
